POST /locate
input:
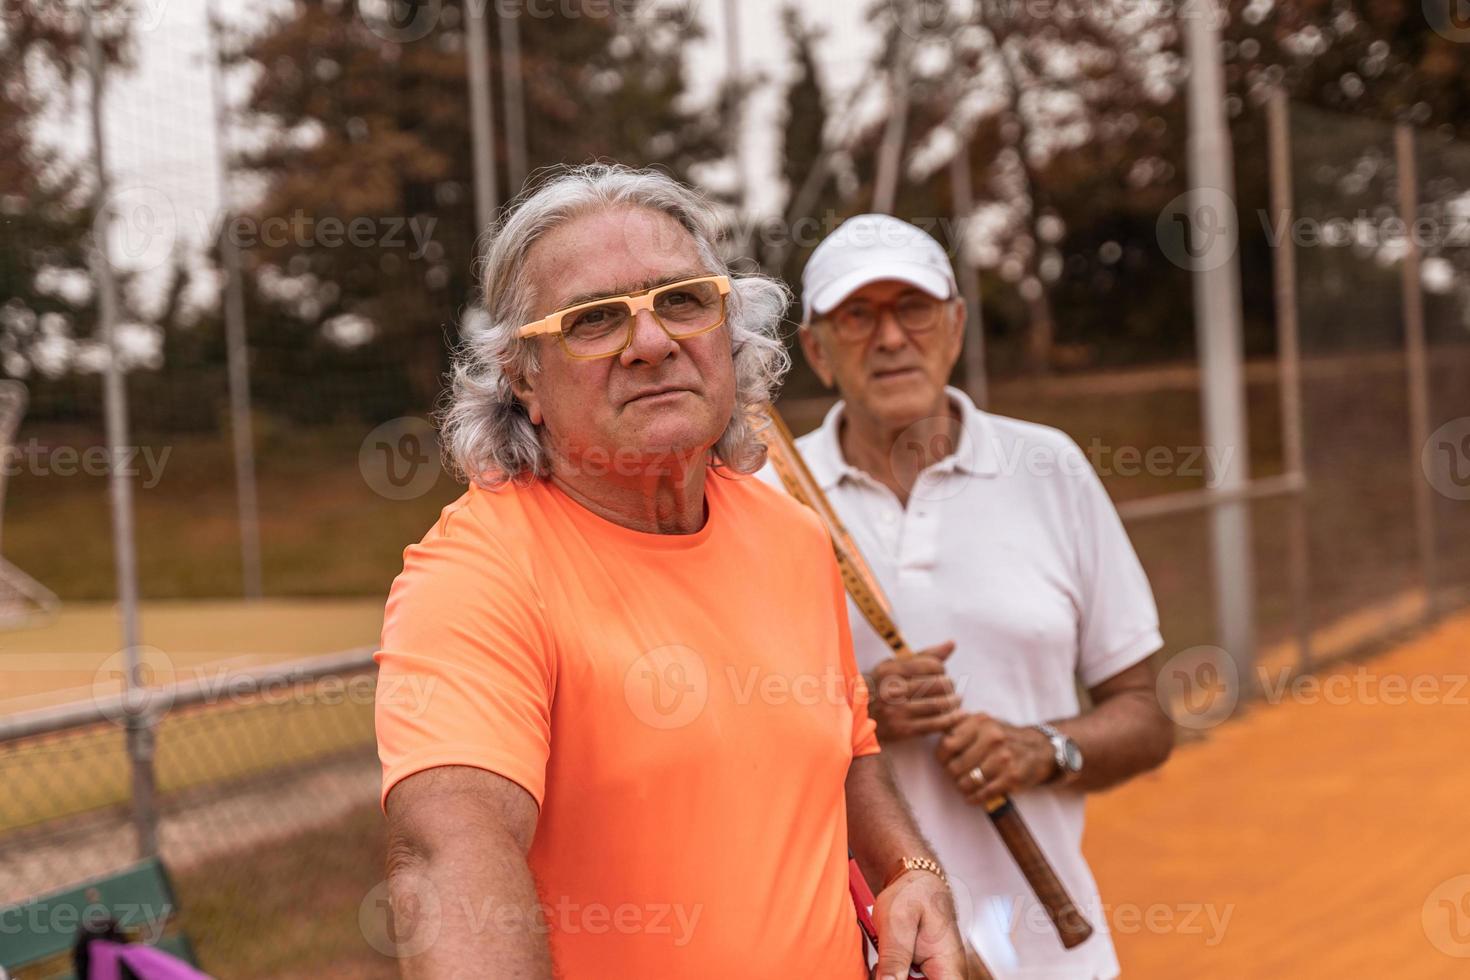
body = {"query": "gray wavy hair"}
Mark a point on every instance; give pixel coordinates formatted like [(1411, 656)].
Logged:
[(487, 435)]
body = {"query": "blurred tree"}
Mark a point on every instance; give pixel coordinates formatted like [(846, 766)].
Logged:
[(1372, 64), (812, 200), (1077, 126), (366, 129), (47, 303), (1042, 95)]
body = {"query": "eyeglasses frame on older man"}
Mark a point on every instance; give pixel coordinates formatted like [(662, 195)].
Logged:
[(848, 336), (641, 300)]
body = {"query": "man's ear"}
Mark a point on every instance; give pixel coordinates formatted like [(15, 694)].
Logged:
[(961, 312), (525, 392), (816, 355)]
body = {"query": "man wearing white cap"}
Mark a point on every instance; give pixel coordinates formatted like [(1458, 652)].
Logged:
[(1004, 558)]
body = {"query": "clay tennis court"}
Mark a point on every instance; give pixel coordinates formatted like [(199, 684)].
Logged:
[(1321, 836)]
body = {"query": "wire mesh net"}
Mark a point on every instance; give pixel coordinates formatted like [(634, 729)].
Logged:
[(1444, 195), (347, 191), (1362, 474)]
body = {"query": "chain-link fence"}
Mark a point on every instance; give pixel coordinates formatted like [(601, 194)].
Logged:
[(243, 774), (1381, 234), (348, 194)]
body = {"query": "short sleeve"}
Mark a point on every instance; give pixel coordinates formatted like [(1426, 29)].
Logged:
[(465, 672), (1119, 622), (864, 728)]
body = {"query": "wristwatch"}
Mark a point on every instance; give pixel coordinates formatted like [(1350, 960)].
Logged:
[(1068, 754), (906, 864)]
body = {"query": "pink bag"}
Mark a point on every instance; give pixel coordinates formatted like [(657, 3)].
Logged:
[(146, 962)]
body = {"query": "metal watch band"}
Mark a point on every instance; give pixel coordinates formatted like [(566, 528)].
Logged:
[(1058, 748), (906, 864)]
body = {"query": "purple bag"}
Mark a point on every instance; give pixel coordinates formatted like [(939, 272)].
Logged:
[(145, 962)]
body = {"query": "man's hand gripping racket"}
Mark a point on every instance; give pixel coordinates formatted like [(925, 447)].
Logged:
[(862, 585)]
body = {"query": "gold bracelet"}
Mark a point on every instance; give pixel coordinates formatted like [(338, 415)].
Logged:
[(906, 864)]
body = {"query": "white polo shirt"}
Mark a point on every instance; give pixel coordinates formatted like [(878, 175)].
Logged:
[(1010, 547)]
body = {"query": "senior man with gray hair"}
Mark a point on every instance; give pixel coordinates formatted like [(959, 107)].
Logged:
[(1003, 556), (645, 750)]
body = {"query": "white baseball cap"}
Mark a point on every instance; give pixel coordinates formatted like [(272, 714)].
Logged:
[(870, 248)]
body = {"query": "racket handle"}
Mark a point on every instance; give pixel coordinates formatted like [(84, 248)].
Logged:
[(1072, 928)]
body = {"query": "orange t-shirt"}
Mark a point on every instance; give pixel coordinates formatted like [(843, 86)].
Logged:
[(684, 708)]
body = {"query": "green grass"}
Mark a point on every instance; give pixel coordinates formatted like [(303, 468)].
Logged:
[(324, 531)]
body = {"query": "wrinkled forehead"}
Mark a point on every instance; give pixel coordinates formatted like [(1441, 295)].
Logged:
[(608, 252)]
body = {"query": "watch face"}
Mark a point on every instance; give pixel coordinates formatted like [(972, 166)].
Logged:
[(1074, 756)]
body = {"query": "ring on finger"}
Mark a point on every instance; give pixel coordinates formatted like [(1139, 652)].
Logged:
[(976, 776)]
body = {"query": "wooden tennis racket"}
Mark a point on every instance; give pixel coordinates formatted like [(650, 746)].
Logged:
[(862, 585)]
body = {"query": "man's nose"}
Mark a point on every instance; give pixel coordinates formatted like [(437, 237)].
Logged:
[(651, 342), (889, 334)]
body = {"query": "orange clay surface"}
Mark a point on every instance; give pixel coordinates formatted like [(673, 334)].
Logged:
[(1324, 835)]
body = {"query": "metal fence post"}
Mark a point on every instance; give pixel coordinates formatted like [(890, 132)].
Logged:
[(1288, 360), (1221, 352), (482, 117), (140, 744), (516, 154), (237, 348), (1416, 363), (964, 204)]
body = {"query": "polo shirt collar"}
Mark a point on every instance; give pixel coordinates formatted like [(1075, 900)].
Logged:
[(975, 455)]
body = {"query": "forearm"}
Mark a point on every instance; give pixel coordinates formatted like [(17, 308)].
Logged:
[(466, 911), (1122, 736), (880, 827)]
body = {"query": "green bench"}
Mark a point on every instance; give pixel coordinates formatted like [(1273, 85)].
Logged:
[(36, 937)]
